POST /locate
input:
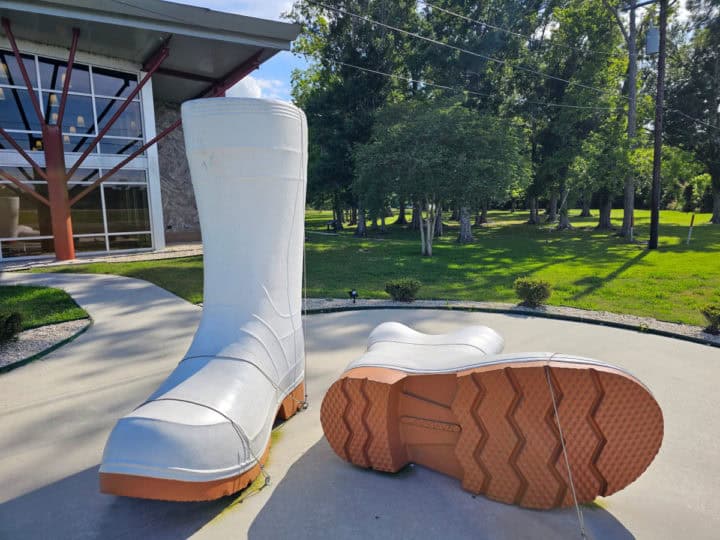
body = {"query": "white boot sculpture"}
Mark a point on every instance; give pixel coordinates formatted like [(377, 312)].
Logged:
[(206, 431)]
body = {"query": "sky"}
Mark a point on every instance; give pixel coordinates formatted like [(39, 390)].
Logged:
[(272, 79)]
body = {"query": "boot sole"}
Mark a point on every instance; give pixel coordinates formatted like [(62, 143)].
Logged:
[(145, 487), (494, 428)]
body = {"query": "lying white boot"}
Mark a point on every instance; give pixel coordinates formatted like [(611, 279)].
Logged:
[(497, 423), (206, 431)]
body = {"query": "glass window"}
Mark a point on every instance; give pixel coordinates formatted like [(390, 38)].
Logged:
[(119, 146), (84, 176), (23, 247), (128, 125), (26, 141), (87, 213), (72, 143), (127, 208), (23, 215), (78, 119), (17, 111), (112, 83), (24, 174), (89, 243), (128, 175), (52, 76), (10, 70), (130, 241)]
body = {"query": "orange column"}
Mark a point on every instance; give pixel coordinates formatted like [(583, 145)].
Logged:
[(58, 193)]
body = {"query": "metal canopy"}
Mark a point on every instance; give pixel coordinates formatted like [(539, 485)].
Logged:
[(205, 45)]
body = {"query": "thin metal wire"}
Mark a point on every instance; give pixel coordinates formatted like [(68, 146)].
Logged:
[(581, 521)]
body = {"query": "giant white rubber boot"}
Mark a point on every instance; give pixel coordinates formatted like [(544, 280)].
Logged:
[(206, 431)]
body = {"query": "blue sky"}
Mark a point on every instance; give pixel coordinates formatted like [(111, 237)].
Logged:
[(272, 79)]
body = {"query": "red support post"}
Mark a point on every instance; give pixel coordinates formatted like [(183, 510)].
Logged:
[(68, 74), (236, 75), (58, 193), (152, 67), (21, 65)]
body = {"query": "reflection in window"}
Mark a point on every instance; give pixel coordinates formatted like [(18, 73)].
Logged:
[(10, 70), (26, 141), (128, 175), (27, 247), (89, 243), (87, 215), (78, 117), (130, 241), (84, 176), (119, 146), (129, 123), (112, 83), (17, 111), (22, 215), (52, 76), (127, 208), (72, 143)]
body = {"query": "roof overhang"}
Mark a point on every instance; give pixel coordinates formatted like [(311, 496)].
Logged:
[(206, 47)]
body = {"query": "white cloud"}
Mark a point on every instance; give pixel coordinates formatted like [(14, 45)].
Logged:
[(255, 87)]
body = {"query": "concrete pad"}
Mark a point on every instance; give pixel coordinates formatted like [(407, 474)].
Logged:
[(55, 415)]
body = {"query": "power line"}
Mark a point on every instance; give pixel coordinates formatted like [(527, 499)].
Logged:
[(454, 47), (511, 32), (697, 120)]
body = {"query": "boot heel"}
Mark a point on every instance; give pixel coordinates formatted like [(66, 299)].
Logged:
[(294, 401)]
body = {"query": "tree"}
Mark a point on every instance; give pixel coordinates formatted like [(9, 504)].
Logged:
[(693, 94)]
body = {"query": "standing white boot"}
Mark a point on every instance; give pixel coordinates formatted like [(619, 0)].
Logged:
[(206, 431)]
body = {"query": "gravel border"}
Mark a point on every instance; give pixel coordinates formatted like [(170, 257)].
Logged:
[(647, 325), (37, 342)]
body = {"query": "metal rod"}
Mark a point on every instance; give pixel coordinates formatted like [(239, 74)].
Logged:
[(23, 187), (23, 153), (153, 66), (21, 65), (233, 77), (127, 160), (68, 74)]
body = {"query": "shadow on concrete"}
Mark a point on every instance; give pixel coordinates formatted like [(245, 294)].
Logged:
[(73, 508), (324, 497)]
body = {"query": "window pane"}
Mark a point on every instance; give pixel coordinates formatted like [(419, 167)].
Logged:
[(52, 76), (27, 141), (130, 241), (127, 208), (89, 243), (22, 215), (84, 176), (10, 70), (128, 175), (27, 248), (16, 110), (129, 123), (72, 143), (113, 83), (24, 174), (78, 113), (86, 214), (119, 146)]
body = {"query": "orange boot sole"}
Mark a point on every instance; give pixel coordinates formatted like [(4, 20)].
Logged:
[(144, 487), (495, 427)]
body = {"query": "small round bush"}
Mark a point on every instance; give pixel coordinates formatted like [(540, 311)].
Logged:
[(532, 292), (403, 290), (10, 326), (712, 314)]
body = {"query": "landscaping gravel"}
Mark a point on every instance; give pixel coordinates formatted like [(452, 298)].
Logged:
[(36, 340)]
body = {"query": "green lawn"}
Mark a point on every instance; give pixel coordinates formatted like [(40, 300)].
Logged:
[(588, 269), (39, 305)]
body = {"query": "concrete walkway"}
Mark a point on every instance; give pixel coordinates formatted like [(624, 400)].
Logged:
[(56, 413)]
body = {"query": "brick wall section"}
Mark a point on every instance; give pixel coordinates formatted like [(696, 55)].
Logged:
[(179, 209)]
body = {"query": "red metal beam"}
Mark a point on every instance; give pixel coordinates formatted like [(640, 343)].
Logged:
[(236, 75), (24, 154), (21, 65), (68, 74), (127, 160), (23, 187), (152, 67)]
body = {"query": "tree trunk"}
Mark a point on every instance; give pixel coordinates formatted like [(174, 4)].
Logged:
[(585, 212), (338, 212), (438, 223), (361, 229), (353, 216), (604, 223), (716, 202), (629, 188), (564, 223), (552, 209), (465, 235), (534, 219), (402, 219), (416, 219), (484, 213), (382, 223), (455, 216)]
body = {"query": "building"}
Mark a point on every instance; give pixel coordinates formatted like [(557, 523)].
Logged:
[(130, 64)]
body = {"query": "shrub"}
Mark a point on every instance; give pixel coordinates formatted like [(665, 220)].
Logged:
[(403, 290), (10, 326), (532, 292), (712, 314)]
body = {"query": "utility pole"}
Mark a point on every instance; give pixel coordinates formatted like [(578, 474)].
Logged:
[(657, 154), (629, 195)]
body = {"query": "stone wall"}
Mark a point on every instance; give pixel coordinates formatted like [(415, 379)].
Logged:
[(179, 209)]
